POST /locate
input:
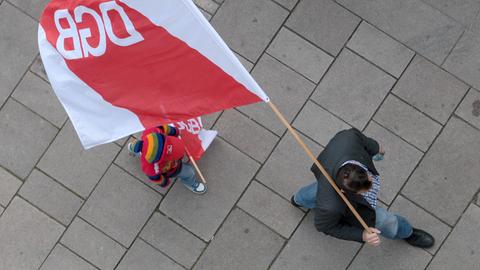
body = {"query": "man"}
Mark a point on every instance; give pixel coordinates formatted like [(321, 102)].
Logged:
[(161, 153), (348, 159)]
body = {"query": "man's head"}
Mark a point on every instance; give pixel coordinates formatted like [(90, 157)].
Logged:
[(353, 178)]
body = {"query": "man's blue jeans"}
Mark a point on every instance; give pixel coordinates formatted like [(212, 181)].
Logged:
[(390, 225)]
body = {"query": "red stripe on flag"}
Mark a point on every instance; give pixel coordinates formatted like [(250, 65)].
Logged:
[(160, 79)]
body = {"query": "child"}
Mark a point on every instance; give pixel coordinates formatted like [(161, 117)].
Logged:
[(161, 153)]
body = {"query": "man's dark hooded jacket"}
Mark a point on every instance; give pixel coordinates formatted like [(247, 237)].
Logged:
[(332, 215)]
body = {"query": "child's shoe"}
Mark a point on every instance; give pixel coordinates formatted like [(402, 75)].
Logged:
[(197, 188), (135, 148)]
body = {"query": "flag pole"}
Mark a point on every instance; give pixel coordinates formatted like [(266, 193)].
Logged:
[(317, 163), (192, 160)]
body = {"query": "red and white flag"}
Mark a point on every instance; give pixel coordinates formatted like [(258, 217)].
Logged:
[(120, 66), (196, 138)]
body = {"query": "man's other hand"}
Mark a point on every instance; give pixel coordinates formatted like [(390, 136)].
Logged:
[(371, 238), (381, 150)]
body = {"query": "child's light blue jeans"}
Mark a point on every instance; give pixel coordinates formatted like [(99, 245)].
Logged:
[(187, 175)]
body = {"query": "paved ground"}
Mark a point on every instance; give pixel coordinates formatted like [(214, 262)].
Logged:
[(406, 72)]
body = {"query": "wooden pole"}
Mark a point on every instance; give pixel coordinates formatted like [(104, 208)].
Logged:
[(192, 160), (196, 167), (314, 159)]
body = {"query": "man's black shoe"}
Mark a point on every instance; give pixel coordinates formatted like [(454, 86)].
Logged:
[(292, 201), (420, 239)]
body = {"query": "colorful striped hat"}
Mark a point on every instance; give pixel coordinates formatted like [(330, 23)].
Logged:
[(153, 147)]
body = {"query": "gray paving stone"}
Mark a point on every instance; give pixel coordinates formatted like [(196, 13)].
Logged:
[(252, 245), (51, 197), (400, 160), (286, 89), (245, 134), (289, 4), (206, 14), (407, 122), (18, 47), (300, 55), (353, 80), (324, 23), (21, 149), (137, 135), (412, 22), (421, 219), (26, 236), (117, 194), (288, 168), (381, 204), (209, 120), (469, 110), (121, 142), (271, 209), (430, 89), (475, 26), (9, 185), (445, 181), (176, 242), (465, 59), (38, 68), (142, 256), (381, 49), (463, 11), (228, 172), (33, 8), (318, 124), (460, 251), (246, 63), (391, 254), (37, 95), (248, 25), (209, 6), (309, 249), (62, 259), (92, 245), (76, 168), (132, 165)]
